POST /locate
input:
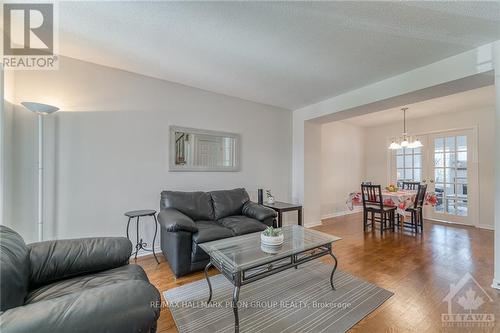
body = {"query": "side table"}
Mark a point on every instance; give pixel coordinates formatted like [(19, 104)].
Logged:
[(140, 245), (282, 207)]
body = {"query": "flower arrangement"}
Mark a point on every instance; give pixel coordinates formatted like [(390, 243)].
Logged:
[(270, 197)]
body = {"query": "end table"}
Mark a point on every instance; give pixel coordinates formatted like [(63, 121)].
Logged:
[(140, 245), (282, 207)]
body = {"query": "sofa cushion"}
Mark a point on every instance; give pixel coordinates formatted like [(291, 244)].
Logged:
[(210, 231), (229, 202), (196, 205), (85, 282), (207, 231), (15, 269), (241, 225)]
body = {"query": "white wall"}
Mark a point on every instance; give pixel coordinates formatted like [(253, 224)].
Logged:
[(110, 152), (377, 158), (6, 151), (343, 165), (312, 167)]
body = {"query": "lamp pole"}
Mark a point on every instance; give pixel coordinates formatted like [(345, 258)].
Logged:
[(40, 177), (41, 110)]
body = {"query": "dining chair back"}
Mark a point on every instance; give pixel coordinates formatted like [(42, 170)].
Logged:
[(410, 185), (420, 197), (372, 195), (366, 183)]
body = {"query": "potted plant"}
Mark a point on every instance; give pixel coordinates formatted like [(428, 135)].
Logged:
[(272, 236)]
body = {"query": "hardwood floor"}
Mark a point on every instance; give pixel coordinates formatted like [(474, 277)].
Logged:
[(418, 270)]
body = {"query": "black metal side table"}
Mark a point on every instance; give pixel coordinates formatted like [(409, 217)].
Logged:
[(140, 245)]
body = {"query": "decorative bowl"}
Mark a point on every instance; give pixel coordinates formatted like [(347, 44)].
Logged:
[(392, 189), (271, 240)]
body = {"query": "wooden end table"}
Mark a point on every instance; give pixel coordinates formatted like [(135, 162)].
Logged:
[(282, 207)]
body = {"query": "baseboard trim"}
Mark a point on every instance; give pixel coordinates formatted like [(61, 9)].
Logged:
[(495, 284), (485, 226), (342, 213)]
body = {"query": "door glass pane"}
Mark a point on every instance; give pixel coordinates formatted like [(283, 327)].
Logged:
[(461, 190), (439, 189), (449, 159), (461, 142), (461, 176), (449, 175), (417, 150), (400, 174), (439, 175), (462, 159), (461, 207), (449, 191)]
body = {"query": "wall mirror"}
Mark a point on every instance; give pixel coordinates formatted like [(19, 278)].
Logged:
[(203, 150)]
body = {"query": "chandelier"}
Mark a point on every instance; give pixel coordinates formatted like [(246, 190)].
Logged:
[(405, 141)]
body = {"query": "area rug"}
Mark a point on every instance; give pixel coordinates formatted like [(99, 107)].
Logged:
[(295, 300)]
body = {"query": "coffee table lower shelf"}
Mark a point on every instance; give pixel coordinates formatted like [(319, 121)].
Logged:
[(261, 271)]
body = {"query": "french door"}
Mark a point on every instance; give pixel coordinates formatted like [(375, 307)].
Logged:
[(447, 163)]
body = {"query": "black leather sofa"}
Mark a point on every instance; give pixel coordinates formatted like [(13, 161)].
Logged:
[(79, 285), (191, 218)]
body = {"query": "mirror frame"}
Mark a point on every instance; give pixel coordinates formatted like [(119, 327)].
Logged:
[(174, 167)]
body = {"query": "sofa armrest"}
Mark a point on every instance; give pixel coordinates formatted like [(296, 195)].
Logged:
[(130, 306), (258, 212), (61, 259), (173, 220)]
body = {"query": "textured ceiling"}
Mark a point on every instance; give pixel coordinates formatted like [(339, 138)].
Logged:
[(476, 99), (288, 54)]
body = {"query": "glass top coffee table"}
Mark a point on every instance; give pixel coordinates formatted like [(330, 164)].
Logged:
[(243, 259)]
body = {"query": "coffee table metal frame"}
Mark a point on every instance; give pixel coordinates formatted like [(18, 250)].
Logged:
[(257, 272)]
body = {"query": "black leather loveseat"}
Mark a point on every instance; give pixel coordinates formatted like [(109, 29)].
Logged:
[(191, 218), (77, 285)]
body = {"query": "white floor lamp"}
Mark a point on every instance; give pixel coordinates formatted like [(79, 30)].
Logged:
[(41, 110)]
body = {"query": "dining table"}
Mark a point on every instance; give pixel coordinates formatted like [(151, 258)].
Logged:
[(401, 199)]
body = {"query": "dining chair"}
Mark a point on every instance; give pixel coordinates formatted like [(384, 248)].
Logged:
[(366, 183), (410, 185), (417, 215), (373, 204)]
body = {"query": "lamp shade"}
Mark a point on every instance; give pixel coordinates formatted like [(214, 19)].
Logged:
[(39, 107), (394, 146), (416, 144)]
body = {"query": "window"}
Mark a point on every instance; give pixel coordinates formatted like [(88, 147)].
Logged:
[(409, 164)]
